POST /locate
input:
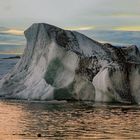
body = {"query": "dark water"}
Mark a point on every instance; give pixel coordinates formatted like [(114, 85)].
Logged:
[(61, 120), (26, 120), (6, 64)]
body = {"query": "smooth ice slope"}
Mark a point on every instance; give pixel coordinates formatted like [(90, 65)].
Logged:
[(65, 65)]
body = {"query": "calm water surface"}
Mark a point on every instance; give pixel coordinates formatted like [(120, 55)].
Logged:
[(6, 64), (25, 120)]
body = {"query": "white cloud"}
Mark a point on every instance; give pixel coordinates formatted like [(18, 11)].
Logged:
[(13, 32), (80, 28), (65, 13), (127, 28)]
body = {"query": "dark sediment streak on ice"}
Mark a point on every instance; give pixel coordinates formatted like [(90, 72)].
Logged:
[(59, 64)]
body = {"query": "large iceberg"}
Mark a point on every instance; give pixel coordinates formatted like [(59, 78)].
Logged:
[(59, 64)]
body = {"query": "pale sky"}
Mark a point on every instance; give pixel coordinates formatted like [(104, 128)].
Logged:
[(102, 20), (71, 14)]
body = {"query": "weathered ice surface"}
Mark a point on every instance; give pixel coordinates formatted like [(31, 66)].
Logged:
[(65, 65)]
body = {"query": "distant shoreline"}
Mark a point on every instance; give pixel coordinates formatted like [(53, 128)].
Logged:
[(12, 57), (9, 56)]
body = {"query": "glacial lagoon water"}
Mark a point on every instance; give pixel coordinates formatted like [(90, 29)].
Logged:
[(32, 120), (28, 120), (6, 64)]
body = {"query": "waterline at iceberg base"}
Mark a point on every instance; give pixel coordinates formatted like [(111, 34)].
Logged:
[(59, 64)]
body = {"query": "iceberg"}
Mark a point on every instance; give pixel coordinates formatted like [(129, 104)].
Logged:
[(60, 64)]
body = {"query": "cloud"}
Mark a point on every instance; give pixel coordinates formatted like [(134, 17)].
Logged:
[(119, 14), (127, 28), (3, 29), (12, 43), (80, 28), (13, 32), (11, 52), (118, 38), (11, 48)]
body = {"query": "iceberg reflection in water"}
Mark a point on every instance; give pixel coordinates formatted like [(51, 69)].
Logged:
[(25, 120)]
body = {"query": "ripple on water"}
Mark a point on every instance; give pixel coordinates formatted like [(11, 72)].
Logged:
[(23, 119)]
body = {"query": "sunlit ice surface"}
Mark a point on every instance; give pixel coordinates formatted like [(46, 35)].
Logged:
[(67, 120)]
